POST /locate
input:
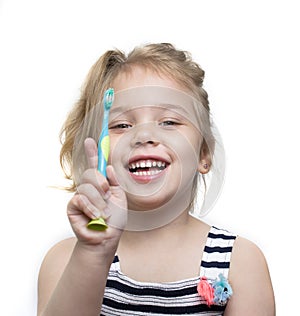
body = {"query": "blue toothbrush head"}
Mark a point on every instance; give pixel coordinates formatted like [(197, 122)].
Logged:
[(108, 98)]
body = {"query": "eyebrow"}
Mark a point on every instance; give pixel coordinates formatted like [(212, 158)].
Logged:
[(167, 106)]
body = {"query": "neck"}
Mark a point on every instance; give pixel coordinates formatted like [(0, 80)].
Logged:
[(175, 227), (173, 211)]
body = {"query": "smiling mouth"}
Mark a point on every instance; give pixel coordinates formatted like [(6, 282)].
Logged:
[(149, 167)]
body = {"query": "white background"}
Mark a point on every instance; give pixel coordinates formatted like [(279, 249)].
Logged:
[(250, 51)]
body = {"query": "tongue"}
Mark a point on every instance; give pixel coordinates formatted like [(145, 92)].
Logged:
[(148, 169)]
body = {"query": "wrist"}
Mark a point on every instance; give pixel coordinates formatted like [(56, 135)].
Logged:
[(102, 253)]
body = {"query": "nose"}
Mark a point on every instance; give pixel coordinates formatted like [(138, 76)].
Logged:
[(143, 135)]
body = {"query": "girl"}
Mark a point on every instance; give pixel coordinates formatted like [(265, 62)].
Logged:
[(155, 257)]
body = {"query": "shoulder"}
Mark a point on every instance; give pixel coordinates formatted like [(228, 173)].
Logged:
[(250, 279), (52, 268), (60, 253), (245, 249), (247, 257)]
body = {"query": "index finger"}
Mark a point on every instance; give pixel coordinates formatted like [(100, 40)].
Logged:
[(91, 153)]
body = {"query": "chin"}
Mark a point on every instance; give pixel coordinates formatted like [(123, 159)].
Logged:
[(147, 203)]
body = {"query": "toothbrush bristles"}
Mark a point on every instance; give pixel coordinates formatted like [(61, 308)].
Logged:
[(108, 98)]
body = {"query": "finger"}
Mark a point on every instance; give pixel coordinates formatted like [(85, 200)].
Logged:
[(91, 152), (117, 205), (81, 204), (111, 176), (93, 195), (115, 189), (96, 179)]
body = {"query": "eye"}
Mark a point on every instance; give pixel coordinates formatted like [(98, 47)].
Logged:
[(120, 126), (168, 123)]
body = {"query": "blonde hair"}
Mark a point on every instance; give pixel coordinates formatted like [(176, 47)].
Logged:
[(163, 58)]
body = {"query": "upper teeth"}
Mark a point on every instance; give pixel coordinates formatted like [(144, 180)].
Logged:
[(147, 164)]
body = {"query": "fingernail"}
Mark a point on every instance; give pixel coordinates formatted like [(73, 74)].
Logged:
[(107, 195), (97, 215), (106, 212), (96, 212)]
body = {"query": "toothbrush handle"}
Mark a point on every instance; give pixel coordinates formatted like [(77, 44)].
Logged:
[(103, 150)]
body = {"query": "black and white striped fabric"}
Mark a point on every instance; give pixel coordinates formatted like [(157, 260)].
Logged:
[(125, 296)]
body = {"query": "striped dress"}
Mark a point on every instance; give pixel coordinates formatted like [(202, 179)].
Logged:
[(125, 296)]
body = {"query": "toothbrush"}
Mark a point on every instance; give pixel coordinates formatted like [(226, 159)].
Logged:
[(103, 152)]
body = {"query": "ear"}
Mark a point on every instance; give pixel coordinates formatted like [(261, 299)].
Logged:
[(205, 159)]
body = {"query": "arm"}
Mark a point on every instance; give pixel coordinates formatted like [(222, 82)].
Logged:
[(73, 275), (251, 283), (72, 278), (52, 269)]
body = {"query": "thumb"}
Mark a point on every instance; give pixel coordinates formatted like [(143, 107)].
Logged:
[(118, 195), (111, 176), (117, 204)]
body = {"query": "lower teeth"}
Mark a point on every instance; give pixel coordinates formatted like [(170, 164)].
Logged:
[(146, 173)]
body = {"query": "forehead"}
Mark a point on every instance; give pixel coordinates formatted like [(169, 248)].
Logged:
[(136, 76)]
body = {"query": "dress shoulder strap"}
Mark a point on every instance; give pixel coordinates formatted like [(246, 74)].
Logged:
[(217, 253), (115, 266)]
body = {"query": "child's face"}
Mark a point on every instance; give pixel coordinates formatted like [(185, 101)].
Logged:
[(155, 150)]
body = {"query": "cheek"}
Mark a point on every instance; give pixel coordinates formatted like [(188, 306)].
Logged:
[(186, 148), (120, 153), (117, 146), (186, 160), (111, 149)]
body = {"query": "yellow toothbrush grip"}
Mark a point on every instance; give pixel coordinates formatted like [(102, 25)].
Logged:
[(105, 147), (97, 224)]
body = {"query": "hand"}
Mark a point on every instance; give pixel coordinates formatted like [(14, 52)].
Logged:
[(97, 196)]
